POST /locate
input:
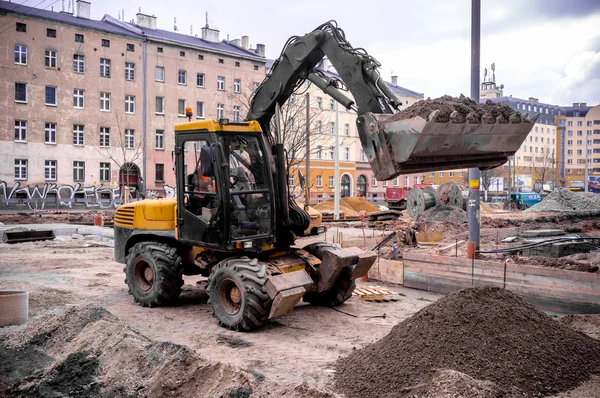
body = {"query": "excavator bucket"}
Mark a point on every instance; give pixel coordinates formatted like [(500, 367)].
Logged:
[(458, 136)]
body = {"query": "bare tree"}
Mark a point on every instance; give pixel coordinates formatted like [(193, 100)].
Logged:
[(123, 149), (543, 168), (488, 177)]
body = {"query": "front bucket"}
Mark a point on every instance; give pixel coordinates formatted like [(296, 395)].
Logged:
[(26, 235), (403, 146)]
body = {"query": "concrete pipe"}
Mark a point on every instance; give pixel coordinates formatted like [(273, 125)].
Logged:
[(450, 194), (14, 307), (419, 200)]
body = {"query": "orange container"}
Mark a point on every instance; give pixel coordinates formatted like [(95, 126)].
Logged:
[(98, 220)]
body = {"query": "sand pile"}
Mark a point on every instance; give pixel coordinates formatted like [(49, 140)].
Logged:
[(563, 200), (349, 206), (487, 333), (487, 112), (443, 213)]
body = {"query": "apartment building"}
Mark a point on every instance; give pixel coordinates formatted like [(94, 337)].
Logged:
[(93, 102)]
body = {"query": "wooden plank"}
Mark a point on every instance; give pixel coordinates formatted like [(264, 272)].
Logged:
[(452, 246)]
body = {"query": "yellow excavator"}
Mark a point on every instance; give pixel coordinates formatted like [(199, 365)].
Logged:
[(233, 218)]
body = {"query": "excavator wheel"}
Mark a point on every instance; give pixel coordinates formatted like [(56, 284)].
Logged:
[(153, 272), (342, 288), (237, 294)]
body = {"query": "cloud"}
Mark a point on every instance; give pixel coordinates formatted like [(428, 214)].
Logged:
[(580, 80)]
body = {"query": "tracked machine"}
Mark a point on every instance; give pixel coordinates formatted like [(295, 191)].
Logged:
[(233, 219)]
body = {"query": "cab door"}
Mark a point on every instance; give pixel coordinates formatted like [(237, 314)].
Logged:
[(200, 217)]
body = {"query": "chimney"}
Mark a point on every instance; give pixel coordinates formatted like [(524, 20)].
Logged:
[(575, 103), (83, 9), (260, 49), (395, 81), (236, 42), (583, 104), (531, 99), (147, 21), (245, 42), (209, 34)]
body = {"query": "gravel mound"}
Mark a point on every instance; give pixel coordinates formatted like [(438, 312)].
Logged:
[(563, 200), (487, 333), (468, 110), (443, 213)]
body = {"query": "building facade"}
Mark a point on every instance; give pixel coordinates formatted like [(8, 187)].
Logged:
[(92, 103)]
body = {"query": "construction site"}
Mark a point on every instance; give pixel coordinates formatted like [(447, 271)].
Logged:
[(521, 320)]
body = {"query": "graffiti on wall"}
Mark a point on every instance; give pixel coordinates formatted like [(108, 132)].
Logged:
[(64, 195)]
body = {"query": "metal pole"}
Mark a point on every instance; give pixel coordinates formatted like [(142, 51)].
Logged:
[(144, 117), (474, 173), (307, 179), (336, 177)]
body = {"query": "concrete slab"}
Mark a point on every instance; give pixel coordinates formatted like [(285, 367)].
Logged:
[(64, 229), (536, 233)]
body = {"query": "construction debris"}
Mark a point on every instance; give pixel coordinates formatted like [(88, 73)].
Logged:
[(443, 214), (563, 200), (487, 333)]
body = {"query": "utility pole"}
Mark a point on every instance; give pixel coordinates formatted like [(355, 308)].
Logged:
[(585, 183), (473, 206), (336, 177), (307, 163)]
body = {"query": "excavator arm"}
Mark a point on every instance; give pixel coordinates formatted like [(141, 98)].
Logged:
[(460, 134)]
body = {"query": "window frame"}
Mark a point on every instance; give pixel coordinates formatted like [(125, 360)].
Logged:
[(22, 130), (156, 69), (104, 101), (78, 94), (26, 100), (79, 36), (200, 78), (55, 96), (78, 166), (49, 133), (221, 111), (129, 104), (105, 42), (182, 73), (200, 115), (48, 58), (180, 110), (162, 105), (220, 83), (49, 167), (105, 67), (130, 47), (237, 86), (105, 171), (21, 53), (21, 166), (159, 138), (162, 172), (130, 71), (103, 137), (21, 27), (78, 63), (78, 135), (129, 136)]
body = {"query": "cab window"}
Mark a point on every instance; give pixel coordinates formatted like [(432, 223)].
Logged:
[(200, 186)]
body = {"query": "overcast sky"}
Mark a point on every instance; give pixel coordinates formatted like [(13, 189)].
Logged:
[(549, 49)]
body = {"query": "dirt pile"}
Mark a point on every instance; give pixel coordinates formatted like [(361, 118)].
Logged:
[(487, 333), (443, 213), (583, 262), (468, 110), (586, 324), (349, 206), (90, 353), (563, 200)]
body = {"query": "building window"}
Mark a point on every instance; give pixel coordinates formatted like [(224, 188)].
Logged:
[(78, 99), (237, 86), (397, 181), (105, 137), (50, 170), (78, 63), (221, 61), (331, 128), (129, 138), (104, 67), (78, 38), (50, 98), (104, 171), (21, 92), (319, 102), (160, 105), (78, 135), (451, 174), (181, 107), (129, 71), (384, 183), (130, 104), (20, 130), (181, 77), (461, 174), (441, 173), (432, 175), (182, 53), (330, 181), (20, 169), (363, 157), (579, 142), (319, 181), (160, 74), (236, 114), (20, 55), (220, 111), (220, 83), (200, 79), (160, 139), (78, 170), (331, 153), (50, 133), (319, 127), (201, 57), (332, 104), (159, 49), (579, 152), (347, 130), (105, 102), (130, 47), (319, 152), (105, 43), (199, 110), (160, 172), (50, 59), (21, 27), (255, 67), (346, 153), (373, 181), (569, 142)]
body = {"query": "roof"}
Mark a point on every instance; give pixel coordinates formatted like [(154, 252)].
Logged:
[(64, 18), (223, 46), (520, 101)]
